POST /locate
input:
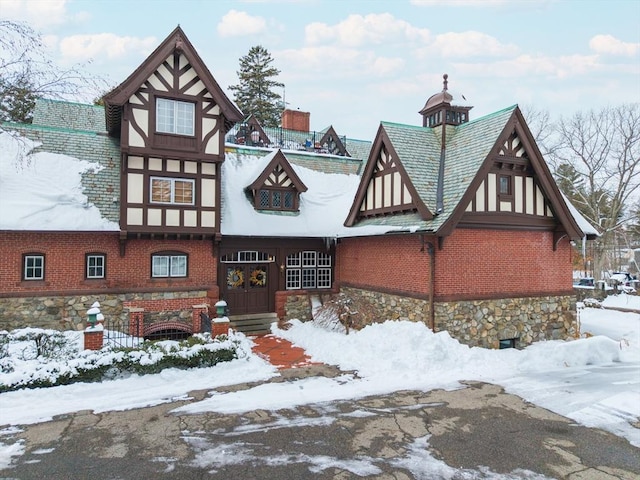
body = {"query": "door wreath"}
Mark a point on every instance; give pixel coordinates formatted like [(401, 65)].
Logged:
[(235, 278), (258, 277)]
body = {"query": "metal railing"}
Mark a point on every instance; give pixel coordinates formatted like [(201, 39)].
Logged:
[(279, 137)]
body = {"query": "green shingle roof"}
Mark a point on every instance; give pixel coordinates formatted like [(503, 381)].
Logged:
[(418, 148)]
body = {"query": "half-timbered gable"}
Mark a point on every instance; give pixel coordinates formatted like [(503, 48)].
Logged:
[(331, 142), (513, 188), (278, 187), (251, 133), (387, 187), (172, 118)]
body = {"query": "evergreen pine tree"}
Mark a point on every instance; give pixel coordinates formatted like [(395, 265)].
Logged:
[(254, 93)]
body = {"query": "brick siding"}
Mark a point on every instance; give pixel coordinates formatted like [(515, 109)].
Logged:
[(65, 263)]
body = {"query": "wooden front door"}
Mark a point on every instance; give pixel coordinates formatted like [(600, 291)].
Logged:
[(247, 288)]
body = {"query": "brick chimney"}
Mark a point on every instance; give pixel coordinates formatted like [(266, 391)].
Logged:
[(295, 120)]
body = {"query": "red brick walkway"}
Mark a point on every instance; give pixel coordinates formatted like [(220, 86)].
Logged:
[(280, 352)]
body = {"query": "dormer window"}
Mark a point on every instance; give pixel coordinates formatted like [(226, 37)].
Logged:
[(270, 199), (173, 116), (278, 187)]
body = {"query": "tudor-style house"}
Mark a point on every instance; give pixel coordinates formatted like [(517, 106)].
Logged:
[(457, 223)]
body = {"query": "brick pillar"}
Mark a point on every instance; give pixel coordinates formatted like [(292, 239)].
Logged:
[(136, 322), (93, 338), (281, 301), (220, 326)]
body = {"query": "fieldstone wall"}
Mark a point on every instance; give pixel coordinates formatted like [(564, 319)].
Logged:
[(481, 322), (485, 322), (70, 312), (297, 306), (387, 306)]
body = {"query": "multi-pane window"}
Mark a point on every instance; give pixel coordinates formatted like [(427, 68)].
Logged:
[(95, 263), (276, 199), (245, 256), (172, 190), (308, 270), (33, 267), (176, 117), (168, 265)]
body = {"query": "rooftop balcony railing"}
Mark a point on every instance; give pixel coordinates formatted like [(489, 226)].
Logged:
[(242, 134)]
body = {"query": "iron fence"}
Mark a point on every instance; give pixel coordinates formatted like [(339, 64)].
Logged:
[(279, 137)]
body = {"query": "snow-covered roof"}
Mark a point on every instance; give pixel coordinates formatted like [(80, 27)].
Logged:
[(323, 207), (44, 191), (584, 224)]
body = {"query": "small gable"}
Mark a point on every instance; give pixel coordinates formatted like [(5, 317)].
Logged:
[(331, 142), (385, 188), (278, 187), (251, 133)]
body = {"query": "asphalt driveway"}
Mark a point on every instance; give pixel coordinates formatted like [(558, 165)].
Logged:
[(475, 432)]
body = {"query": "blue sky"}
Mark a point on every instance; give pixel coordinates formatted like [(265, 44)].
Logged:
[(352, 64)]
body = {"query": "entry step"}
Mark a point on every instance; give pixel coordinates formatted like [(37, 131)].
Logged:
[(254, 323)]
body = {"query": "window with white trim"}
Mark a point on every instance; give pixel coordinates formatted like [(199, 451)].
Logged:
[(173, 116), (308, 270), (168, 265), (33, 267), (176, 191), (95, 265)]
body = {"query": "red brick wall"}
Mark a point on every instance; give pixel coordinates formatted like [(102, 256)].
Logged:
[(480, 263), (393, 262), (473, 263), (65, 262)]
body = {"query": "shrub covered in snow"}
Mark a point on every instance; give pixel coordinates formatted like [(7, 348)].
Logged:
[(32, 358)]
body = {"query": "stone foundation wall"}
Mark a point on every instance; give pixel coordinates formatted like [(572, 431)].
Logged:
[(67, 312), (481, 322), (297, 306), (485, 322), (390, 307)]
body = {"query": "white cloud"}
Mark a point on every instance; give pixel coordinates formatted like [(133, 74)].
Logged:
[(84, 47), (608, 44), (338, 61), (538, 65), (236, 23), (38, 14), (359, 30), (468, 44)]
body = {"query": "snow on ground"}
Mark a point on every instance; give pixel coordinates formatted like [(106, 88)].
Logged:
[(594, 381)]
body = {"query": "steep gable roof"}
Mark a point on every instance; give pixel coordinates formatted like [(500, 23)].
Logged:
[(410, 154), (515, 123), (176, 41), (333, 142)]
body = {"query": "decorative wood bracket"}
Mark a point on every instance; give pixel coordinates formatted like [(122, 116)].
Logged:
[(557, 236)]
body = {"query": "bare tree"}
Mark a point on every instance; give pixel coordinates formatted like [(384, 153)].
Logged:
[(600, 151), (26, 73), (542, 128)]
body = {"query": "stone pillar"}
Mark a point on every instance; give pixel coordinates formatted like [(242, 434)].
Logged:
[(93, 338)]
